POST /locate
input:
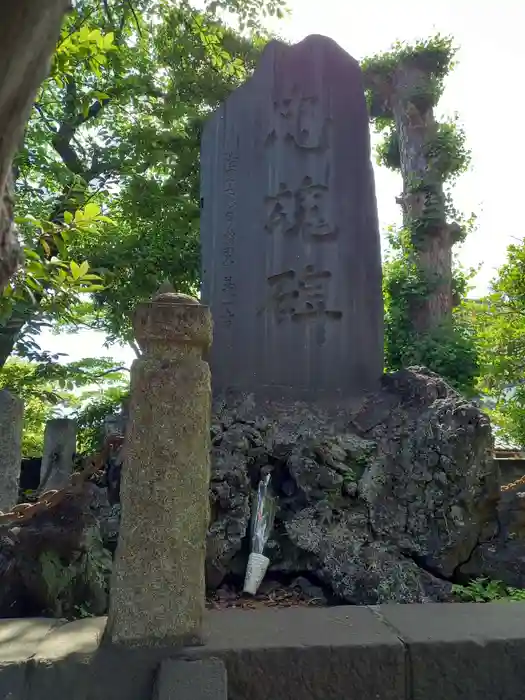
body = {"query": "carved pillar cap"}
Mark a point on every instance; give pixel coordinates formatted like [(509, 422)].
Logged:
[(172, 319)]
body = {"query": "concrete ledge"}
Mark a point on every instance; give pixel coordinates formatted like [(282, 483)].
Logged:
[(202, 679), (391, 652), (63, 665), (464, 651), (19, 642), (287, 654)]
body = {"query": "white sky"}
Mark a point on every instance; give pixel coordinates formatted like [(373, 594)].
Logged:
[(486, 89)]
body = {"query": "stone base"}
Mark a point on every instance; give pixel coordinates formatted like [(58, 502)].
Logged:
[(383, 499), (192, 680), (462, 651)]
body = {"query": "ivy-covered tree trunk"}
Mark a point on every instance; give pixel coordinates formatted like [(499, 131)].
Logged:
[(405, 95), (422, 285), (29, 31), (422, 201)]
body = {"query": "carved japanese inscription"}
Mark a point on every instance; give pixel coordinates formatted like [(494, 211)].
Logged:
[(299, 119), (303, 212), (301, 296)]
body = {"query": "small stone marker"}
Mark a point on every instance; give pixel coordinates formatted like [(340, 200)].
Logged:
[(204, 679), (60, 444), (11, 427), (158, 590), (289, 229)]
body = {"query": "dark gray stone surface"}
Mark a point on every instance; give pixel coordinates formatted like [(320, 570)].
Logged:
[(11, 425), (204, 679), (342, 653), (289, 230), (462, 651), (60, 444), (388, 518), (300, 654), (418, 652), (502, 558)]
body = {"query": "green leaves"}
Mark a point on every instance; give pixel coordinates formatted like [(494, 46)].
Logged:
[(50, 388), (484, 590), (108, 184), (50, 280), (410, 78), (447, 153), (450, 349), (499, 322), (88, 46), (109, 173), (433, 56)]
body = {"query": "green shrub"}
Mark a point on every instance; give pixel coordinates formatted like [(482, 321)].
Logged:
[(483, 590)]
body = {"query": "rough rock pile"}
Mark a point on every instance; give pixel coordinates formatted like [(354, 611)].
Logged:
[(55, 564), (392, 500), (384, 505), (502, 558)]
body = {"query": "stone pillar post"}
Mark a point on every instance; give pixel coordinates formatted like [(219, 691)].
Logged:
[(158, 590), (60, 444), (11, 427)]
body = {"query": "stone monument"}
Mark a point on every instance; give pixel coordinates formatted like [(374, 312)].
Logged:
[(11, 427), (289, 230), (60, 444), (157, 590)]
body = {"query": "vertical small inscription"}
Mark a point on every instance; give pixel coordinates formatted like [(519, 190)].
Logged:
[(228, 289)]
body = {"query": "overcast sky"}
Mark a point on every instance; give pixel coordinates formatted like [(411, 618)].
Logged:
[(486, 90)]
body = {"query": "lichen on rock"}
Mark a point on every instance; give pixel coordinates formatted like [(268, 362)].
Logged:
[(384, 504)]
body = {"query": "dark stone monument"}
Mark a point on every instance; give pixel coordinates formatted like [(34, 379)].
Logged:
[(289, 230)]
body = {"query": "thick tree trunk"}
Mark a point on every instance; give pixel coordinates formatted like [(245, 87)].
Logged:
[(29, 30), (404, 95), (10, 254), (423, 198)]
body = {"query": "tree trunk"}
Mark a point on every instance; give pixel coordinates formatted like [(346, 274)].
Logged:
[(423, 199), (10, 253), (9, 334), (29, 30)]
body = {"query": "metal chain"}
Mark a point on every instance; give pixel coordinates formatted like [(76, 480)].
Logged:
[(25, 511), (514, 484)]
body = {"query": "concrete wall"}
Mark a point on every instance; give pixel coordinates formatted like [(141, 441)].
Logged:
[(510, 469), (392, 652)]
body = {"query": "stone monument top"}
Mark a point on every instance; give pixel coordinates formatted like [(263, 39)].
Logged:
[(289, 229)]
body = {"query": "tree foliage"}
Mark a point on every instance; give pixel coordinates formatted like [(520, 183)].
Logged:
[(499, 322), (107, 179), (451, 349), (51, 390), (107, 185), (96, 406)]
